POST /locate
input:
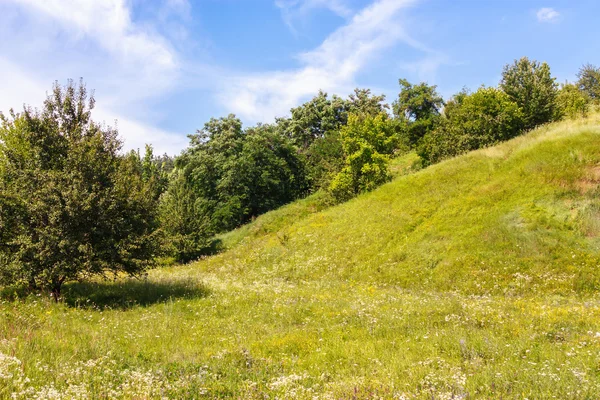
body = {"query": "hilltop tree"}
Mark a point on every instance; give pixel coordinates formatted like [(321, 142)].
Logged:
[(316, 119), (368, 141), (71, 206), (420, 106), (530, 85), (589, 81), (225, 178), (475, 120), (361, 101), (572, 102)]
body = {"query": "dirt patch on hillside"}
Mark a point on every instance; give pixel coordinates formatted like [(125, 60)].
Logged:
[(591, 180)]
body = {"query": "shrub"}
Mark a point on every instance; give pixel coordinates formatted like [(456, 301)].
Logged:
[(572, 102), (476, 120), (368, 141)]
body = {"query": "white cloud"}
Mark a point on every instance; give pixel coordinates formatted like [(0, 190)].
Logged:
[(547, 14), (294, 10), (426, 68), (332, 66), (23, 89), (128, 63), (109, 23), (338, 7)]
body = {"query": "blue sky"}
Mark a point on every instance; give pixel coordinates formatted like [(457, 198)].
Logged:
[(162, 68)]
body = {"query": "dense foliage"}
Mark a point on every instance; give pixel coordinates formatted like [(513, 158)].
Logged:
[(473, 121), (368, 141), (420, 105), (572, 102), (530, 84), (71, 206), (588, 81), (225, 178)]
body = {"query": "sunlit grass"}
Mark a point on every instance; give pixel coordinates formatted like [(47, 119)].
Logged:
[(474, 278)]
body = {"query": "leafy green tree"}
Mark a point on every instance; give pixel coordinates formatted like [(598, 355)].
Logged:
[(572, 102), (368, 141), (314, 128), (185, 219), (225, 178), (363, 102), (420, 106), (532, 87), (476, 120), (315, 119), (71, 206), (589, 81)]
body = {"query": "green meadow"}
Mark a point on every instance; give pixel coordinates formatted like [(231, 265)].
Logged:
[(477, 277)]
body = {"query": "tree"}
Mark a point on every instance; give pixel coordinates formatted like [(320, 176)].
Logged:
[(530, 84), (368, 141), (475, 120), (572, 102), (315, 119), (226, 177), (589, 81), (420, 106), (71, 206), (314, 128), (185, 219), (363, 102)]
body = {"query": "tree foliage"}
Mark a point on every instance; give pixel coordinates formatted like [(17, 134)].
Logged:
[(368, 141), (572, 102), (225, 178), (588, 81), (530, 84), (473, 121), (420, 106), (71, 206)]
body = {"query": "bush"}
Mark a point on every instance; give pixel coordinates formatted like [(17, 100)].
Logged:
[(185, 220), (70, 207), (476, 120), (368, 141), (572, 102)]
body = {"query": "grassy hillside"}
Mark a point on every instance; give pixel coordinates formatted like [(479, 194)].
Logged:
[(475, 278)]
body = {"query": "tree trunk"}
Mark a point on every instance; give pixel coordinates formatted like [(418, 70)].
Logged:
[(56, 287), (32, 286)]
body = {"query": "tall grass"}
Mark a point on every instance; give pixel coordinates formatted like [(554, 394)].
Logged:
[(474, 278)]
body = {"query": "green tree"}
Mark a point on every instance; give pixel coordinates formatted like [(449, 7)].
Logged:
[(314, 128), (225, 178), (185, 219), (588, 81), (475, 120), (361, 101), (71, 205), (315, 119), (155, 171), (532, 87), (368, 141), (572, 102), (420, 106)]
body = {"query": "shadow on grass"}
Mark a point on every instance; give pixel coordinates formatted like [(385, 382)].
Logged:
[(128, 293)]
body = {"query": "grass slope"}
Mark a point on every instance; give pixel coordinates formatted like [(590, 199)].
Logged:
[(474, 278)]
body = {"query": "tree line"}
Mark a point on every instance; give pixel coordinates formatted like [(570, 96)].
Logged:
[(73, 205)]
